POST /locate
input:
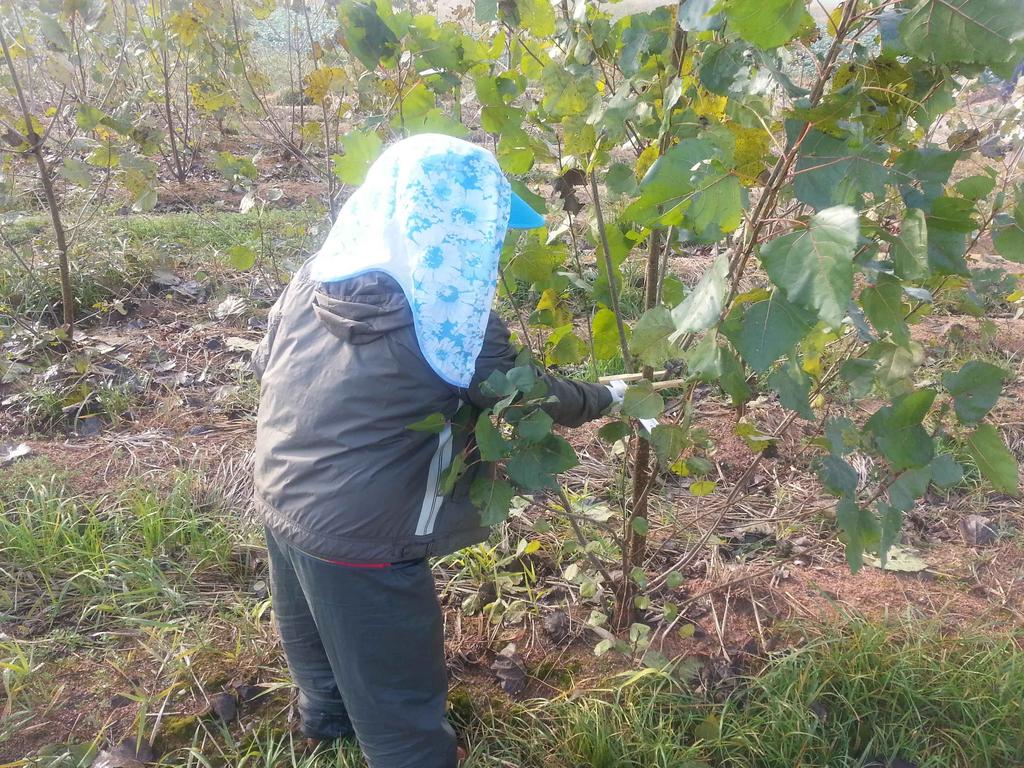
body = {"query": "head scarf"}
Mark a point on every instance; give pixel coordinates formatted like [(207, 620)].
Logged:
[(432, 214)]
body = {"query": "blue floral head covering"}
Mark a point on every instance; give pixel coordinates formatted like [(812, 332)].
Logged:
[(432, 213)]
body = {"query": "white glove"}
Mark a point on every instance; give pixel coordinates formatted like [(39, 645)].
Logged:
[(617, 389)]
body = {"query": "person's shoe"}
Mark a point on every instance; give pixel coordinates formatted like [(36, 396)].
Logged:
[(461, 754)]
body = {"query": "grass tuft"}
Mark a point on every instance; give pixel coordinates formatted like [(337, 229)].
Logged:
[(860, 693), (142, 554)]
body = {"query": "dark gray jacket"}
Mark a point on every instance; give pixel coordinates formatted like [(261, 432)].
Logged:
[(338, 472)]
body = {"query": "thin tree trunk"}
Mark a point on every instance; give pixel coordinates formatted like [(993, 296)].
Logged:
[(613, 288), (644, 466), (35, 142), (178, 171)]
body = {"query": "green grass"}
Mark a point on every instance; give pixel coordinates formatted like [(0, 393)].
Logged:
[(197, 236), (116, 254), (61, 404), (161, 562), (144, 554), (851, 694), (929, 697)]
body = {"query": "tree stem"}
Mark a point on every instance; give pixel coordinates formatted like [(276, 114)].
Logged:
[(35, 142), (613, 287)]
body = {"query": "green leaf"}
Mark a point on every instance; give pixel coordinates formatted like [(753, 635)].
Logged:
[(537, 260), (88, 117), (766, 23), (752, 437), (698, 466), (964, 31), (605, 331), (642, 402), (492, 497), (767, 330), (613, 431), (497, 385), (564, 347), (435, 423), (361, 149), (703, 305), (620, 180), (485, 10), (720, 64), (704, 360), (717, 207), (946, 249), (610, 115), (241, 257), (793, 387), (922, 174), (946, 472), (883, 305), (564, 93), (650, 336), (366, 36), (703, 487), (897, 559), (899, 434), (491, 444), (535, 426), (953, 214), (908, 487), (641, 526), (814, 267), (895, 364), (53, 31), (909, 251), (232, 167), (670, 184), (859, 374), (537, 17), (535, 468), (1008, 234), (994, 460), (77, 172), (892, 524), (842, 435), (975, 389), (436, 121), (450, 477), (838, 477), (673, 290), (733, 380), (698, 16), (104, 156), (832, 171), (976, 187), (619, 246), (515, 153), (668, 441), (523, 377), (860, 530)]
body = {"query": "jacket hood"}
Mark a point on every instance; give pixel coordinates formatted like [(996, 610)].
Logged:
[(432, 213), (361, 309)]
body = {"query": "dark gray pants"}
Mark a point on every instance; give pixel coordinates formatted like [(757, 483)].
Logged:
[(365, 647)]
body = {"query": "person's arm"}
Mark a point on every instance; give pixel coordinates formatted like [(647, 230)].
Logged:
[(578, 401)]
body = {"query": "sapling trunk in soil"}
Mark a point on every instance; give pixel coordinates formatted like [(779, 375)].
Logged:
[(644, 463), (35, 143)]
